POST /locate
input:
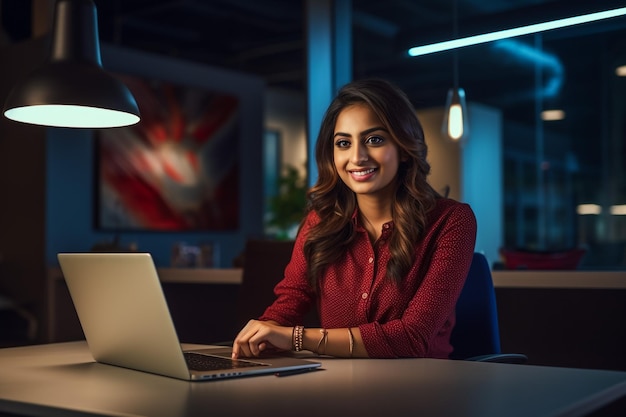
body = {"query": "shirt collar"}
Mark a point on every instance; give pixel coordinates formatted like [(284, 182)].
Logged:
[(357, 224)]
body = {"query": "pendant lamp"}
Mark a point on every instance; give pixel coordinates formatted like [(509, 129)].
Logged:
[(455, 123), (455, 118), (72, 89)]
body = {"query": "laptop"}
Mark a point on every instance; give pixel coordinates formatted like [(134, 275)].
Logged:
[(126, 321)]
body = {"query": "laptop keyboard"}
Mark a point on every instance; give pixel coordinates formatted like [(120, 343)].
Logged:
[(200, 362)]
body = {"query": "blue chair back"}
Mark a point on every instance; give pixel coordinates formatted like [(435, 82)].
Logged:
[(476, 332)]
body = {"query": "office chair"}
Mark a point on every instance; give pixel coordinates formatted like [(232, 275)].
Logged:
[(476, 335), (263, 267)]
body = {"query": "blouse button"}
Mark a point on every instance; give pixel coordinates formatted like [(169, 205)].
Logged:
[(370, 260), (364, 295), (386, 226)]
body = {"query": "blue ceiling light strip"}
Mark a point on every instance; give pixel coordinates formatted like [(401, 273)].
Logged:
[(511, 33)]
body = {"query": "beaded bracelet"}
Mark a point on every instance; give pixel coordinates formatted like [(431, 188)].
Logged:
[(298, 338)]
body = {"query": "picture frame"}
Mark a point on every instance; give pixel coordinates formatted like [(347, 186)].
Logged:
[(178, 168)]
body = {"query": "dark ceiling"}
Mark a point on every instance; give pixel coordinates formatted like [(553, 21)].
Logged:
[(267, 38)]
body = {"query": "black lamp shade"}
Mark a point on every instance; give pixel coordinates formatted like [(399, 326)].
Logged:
[(72, 89)]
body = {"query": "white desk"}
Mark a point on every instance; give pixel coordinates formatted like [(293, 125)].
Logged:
[(62, 379)]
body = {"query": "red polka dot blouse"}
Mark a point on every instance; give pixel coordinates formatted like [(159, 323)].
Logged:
[(412, 319)]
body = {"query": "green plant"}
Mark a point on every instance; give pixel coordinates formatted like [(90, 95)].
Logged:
[(287, 207)]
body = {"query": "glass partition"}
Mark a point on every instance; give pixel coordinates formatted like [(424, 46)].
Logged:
[(564, 183)]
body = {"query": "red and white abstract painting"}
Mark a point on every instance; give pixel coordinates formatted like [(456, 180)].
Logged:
[(178, 168)]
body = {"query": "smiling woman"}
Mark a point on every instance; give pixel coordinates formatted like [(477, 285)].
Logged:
[(373, 251)]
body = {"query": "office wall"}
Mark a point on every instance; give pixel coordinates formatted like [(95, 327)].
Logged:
[(482, 177), (285, 112), (444, 155), (22, 190), (472, 170)]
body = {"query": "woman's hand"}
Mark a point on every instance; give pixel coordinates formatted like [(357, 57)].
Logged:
[(257, 336)]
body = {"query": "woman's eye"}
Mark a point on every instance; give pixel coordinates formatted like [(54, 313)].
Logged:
[(342, 143), (374, 140)]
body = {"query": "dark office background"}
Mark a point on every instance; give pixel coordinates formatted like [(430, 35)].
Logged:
[(549, 168)]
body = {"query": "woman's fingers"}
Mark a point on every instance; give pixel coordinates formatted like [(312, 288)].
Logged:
[(248, 341), (258, 339), (240, 344), (257, 336)]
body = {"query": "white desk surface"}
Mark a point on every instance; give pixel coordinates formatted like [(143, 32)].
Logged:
[(62, 380)]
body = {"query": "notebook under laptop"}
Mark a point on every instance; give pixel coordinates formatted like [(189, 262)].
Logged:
[(126, 320)]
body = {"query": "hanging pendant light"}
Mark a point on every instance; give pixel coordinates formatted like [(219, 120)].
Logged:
[(455, 122), (72, 89), (455, 117)]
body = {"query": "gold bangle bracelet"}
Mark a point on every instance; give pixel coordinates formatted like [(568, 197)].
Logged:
[(324, 339), (351, 341)]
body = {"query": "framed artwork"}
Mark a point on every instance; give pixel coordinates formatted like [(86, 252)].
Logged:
[(178, 168)]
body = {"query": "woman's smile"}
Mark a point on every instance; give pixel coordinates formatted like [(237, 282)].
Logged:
[(362, 174)]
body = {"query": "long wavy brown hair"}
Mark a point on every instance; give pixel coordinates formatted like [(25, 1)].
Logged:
[(335, 203)]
